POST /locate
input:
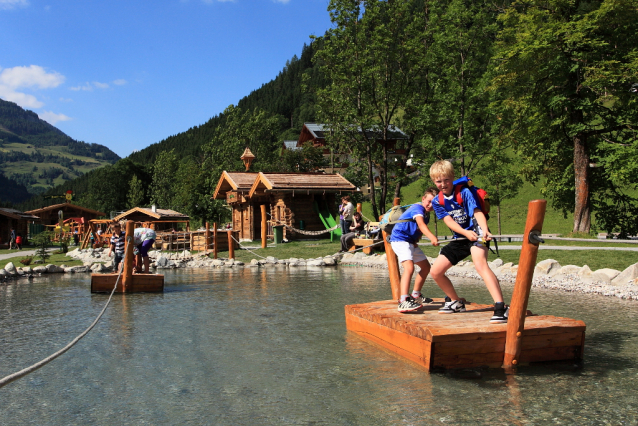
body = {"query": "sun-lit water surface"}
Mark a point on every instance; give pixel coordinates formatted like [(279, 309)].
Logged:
[(269, 346)]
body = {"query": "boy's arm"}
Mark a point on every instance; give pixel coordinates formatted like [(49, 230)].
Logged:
[(482, 222), (423, 227), (455, 227)]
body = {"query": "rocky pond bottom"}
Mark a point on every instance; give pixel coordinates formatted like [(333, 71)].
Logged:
[(268, 345)]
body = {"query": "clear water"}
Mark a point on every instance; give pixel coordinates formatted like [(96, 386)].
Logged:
[(269, 347)]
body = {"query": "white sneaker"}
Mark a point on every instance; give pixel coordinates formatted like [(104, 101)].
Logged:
[(452, 307)]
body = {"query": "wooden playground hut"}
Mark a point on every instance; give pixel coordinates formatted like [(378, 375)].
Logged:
[(161, 220), (298, 200), (19, 221), (49, 215)]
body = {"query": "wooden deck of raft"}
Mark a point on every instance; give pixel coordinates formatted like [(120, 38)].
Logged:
[(140, 283), (465, 339)]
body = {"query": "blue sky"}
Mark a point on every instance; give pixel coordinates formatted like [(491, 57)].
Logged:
[(127, 74)]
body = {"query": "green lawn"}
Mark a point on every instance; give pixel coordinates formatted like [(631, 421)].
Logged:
[(56, 259)]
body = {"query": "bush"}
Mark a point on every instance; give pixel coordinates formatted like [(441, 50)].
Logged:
[(41, 242)]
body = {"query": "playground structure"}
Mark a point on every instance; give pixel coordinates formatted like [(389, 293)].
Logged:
[(304, 204), (467, 339)]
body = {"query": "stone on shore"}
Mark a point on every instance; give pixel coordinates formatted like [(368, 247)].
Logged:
[(546, 267), (11, 269), (40, 270), (627, 276), (605, 275)]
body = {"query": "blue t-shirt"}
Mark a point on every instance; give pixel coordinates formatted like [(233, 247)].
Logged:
[(461, 214), (409, 231)]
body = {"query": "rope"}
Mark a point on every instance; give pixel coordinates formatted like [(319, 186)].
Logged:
[(309, 232), (18, 375), (246, 248)]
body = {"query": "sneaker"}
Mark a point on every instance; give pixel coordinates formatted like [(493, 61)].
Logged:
[(422, 300), (409, 305), (501, 312), (452, 307), (447, 299)]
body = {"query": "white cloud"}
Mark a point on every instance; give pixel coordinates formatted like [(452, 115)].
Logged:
[(12, 4), (282, 1), (120, 82), (52, 118), (88, 87), (65, 100), (12, 80), (31, 76)]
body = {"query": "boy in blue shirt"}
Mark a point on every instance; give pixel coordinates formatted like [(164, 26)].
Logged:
[(469, 225), (404, 239)]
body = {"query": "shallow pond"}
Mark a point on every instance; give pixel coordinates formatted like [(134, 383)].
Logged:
[(269, 346)]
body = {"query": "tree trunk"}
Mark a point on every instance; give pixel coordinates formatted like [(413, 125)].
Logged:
[(582, 207), (498, 218)]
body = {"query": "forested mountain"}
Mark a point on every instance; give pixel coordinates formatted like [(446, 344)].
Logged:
[(36, 155), (281, 96)]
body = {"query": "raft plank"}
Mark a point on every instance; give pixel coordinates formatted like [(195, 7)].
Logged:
[(147, 283), (466, 339)]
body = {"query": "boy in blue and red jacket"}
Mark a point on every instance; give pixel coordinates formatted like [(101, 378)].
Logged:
[(469, 225)]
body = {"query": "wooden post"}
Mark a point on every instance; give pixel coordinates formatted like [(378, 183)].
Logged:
[(231, 246), (215, 240), (127, 273), (207, 238), (520, 297), (264, 226), (393, 262)]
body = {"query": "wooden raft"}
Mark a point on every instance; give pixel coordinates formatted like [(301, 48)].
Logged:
[(146, 283), (129, 282), (465, 339)]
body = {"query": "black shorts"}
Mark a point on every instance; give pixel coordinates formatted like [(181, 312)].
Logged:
[(458, 250)]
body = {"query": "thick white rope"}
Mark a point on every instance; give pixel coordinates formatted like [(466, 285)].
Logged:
[(15, 376)]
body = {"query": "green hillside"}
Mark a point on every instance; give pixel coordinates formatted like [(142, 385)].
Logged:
[(39, 156)]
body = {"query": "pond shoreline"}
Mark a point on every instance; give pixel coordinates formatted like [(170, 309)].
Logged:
[(548, 273)]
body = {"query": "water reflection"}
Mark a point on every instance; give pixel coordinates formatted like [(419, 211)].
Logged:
[(269, 346)]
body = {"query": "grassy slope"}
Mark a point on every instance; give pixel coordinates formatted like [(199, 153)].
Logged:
[(27, 166)]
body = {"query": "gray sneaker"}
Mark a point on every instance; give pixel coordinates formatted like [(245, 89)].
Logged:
[(452, 307), (409, 305)]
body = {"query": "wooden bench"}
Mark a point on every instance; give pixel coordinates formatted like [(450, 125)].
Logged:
[(366, 240)]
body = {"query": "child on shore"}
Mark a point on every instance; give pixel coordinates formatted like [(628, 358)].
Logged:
[(404, 239), (468, 223)]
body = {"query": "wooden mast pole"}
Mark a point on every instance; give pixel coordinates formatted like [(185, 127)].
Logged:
[(215, 240), (207, 238), (264, 225), (393, 262), (127, 273), (520, 297), (231, 245)]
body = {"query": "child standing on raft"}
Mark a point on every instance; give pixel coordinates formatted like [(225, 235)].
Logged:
[(404, 240), (143, 239), (468, 223)]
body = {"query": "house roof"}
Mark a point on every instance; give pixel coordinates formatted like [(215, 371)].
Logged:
[(319, 131), (291, 145), (17, 214), (310, 182), (160, 214), (63, 205), (233, 181)]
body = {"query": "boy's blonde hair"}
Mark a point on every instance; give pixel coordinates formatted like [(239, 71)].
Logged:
[(441, 168)]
